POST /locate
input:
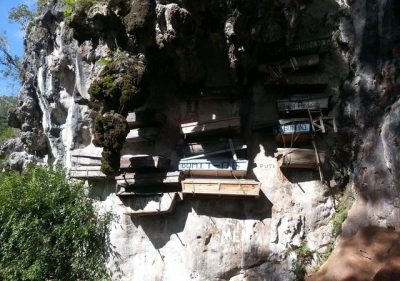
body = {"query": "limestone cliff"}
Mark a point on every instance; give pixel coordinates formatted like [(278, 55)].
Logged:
[(200, 60)]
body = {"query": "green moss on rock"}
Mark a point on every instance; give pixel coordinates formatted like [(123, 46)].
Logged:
[(111, 130)]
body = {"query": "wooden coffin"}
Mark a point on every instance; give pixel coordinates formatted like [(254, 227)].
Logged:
[(151, 205), (296, 104), (143, 162), (299, 158), (90, 156), (317, 45), (292, 64), (142, 135), (221, 187), (304, 82), (85, 161), (144, 118), (214, 167), (149, 179), (293, 130), (209, 147), (231, 125), (87, 173)]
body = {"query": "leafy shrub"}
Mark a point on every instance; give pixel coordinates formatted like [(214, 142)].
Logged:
[(49, 229)]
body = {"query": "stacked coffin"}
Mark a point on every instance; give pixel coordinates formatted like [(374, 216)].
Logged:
[(145, 185), (86, 164), (212, 167), (300, 130), (303, 113)]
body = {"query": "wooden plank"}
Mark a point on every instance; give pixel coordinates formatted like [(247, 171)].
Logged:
[(214, 168), (151, 205), (148, 179), (221, 187), (208, 147), (144, 162), (298, 158), (142, 135), (222, 125)]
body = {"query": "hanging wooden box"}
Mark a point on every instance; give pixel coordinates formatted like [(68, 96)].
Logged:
[(293, 130), (142, 135), (231, 125), (298, 158), (221, 187), (87, 173), (149, 179), (144, 118), (296, 104), (144, 162), (214, 167)]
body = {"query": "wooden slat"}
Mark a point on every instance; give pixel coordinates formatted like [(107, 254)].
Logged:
[(231, 124), (298, 158), (221, 187)]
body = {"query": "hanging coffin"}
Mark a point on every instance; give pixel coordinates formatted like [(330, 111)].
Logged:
[(143, 162), (299, 158), (230, 125), (293, 130), (87, 173), (221, 187), (144, 118), (300, 104), (149, 179), (142, 135), (214, 168)]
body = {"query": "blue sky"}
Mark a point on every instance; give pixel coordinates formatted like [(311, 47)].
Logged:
[(15, 40)]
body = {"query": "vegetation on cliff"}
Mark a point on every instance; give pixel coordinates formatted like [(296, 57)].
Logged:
[(49, 229), (6, 103)]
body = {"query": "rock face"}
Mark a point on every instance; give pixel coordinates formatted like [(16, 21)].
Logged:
[(116, 56)]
